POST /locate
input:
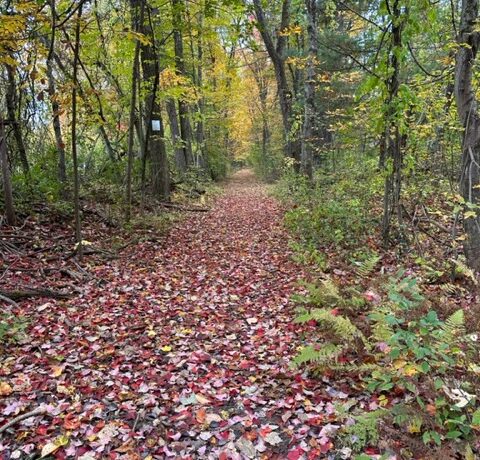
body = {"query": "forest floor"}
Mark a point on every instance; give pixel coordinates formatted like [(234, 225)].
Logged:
[(180, 347)]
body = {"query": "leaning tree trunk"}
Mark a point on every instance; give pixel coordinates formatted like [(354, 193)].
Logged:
[(276, 53), (467, 106), (7, 184)]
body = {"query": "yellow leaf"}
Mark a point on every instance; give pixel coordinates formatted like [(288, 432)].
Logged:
[(410, 370), (151, 333), (5, 389), (166, 348), (56, 371), (51, 447), (201, 399), (469, 214)]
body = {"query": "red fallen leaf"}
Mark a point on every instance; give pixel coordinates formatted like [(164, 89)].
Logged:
[(71, 422), (42, 430), (312, 322), (223, 456), (314, 454), (372, 451), (326, 447), (335, 311), (264, 431), (201, 415), (295, 454)]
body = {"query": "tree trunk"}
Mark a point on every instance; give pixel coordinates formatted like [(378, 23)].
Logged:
[(467, 106), (57, 127), (7, 184), (180, 159), (276, 54), (154, 138), (76, 181), (12, 107), (137, 19), (306, 161), (393, 138), (183, 109)]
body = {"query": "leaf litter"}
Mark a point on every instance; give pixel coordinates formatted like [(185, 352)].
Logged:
[(182, 351)]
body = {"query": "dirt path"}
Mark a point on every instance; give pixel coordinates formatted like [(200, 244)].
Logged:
[(183, 352)]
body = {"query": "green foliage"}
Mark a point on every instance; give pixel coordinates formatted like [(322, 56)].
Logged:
[(365, 267), (332, 211), (417, 355), (308, 254), (12, 328), (363, 431)]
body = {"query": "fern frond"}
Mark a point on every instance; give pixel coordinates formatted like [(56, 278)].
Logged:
[(342, 327), (321, 355), (462, 269), (324, 295), (381, 330), (449, 288), (454, 326), (367, 266)]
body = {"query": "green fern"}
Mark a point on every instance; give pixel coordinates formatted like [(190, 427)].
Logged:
[(454, 327), (320, 355), (463, 270), (366, 267), (325, 295), (382, 331), (342, 327)]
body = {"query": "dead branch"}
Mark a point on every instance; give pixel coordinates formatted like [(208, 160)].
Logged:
[(25, 293), (8, 300), (184, 208), (19, 418)]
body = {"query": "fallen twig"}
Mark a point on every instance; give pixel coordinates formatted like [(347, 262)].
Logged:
[(19, 418), (8, 300), (184, 208), (33, 292)]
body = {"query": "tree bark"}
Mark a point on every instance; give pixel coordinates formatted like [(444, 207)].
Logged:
[(137, 19), (276, 54), (57, 127), (12, 106), (154, 139), (76, 179), (183, 108), (306, 160), (393, 138), (467, 106), (180, 159), (7, 184)]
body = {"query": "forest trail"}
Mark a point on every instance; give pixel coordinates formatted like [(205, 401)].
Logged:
[(184, 351)]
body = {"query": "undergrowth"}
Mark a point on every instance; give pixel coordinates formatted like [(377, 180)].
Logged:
[(398, 335)]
